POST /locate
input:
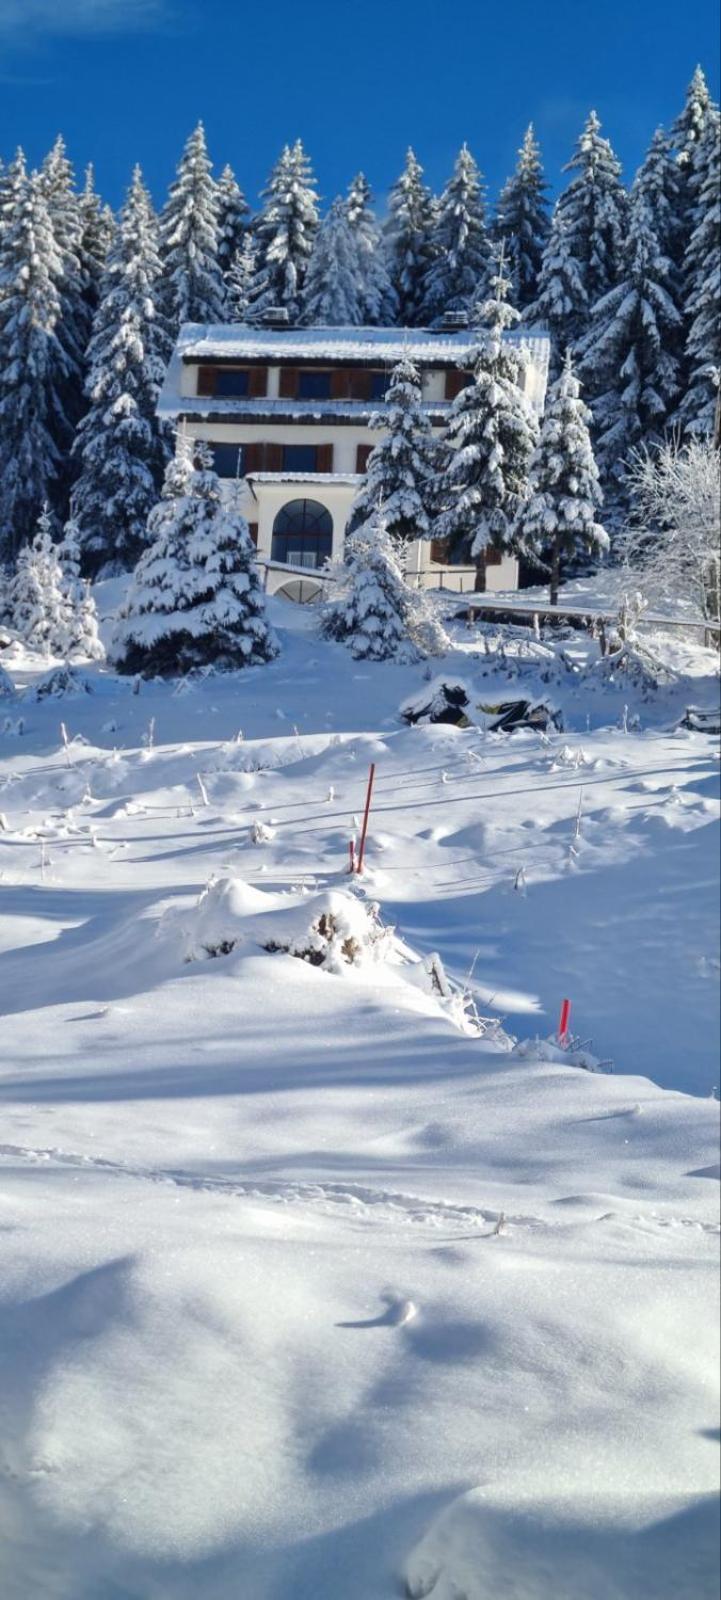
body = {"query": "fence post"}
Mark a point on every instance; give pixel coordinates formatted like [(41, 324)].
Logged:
[(366, 814)]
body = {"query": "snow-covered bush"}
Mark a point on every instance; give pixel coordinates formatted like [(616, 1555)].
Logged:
[(62, 683), (557, 522), (38, 604), (195, 598), (376, 613), (81, 618)]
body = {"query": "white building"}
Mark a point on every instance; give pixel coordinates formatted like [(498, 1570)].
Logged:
[(287, 411)]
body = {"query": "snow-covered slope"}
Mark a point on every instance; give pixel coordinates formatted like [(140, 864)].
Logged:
[(311, 1284)]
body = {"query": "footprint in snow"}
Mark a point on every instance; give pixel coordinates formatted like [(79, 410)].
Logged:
[(398, 1312)]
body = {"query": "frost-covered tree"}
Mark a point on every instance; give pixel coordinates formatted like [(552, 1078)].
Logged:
[(400, 467), (195, 597), (34, 369), (379, 302), (629, 358), (38, 603), (408, 238), (82, 636), (702, 279), (193, 285), (120, 447), (582, 257), (233, 219), (522, 222), (688, 128), (57, 180), (96, 237), (284, 234), (375, 612), (239, 281), (490, 436), (556, 525), (457, 274), (671, 543), (332, 295)]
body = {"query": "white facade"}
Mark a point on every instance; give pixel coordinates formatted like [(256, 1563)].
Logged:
[(281, 448)]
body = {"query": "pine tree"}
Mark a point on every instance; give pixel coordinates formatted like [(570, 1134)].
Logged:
[(195, 597), (489, 439), (96, 237), (522, 222), (582, 257), (688, 128), (332, 296), (34, 369), (120, 447), (630, 354), (457, 275), (73, 324), (284, 235), (659, 180), (379, 302), (240, 279), (400, 467), (556, 525), (82, 637), (192, 278), (38, 604), (233, 219), (702, 276), (376, 613), (408, 236)]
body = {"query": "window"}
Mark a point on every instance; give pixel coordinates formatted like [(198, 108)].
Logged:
[(378, 386), (300, 458), (302, 534), (313, 385), (231, 381), (227, 459)]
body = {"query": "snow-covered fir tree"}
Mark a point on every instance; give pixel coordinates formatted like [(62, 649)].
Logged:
[(659, 180), (456, 277), (332, 296), (688, 128), (702, 279), (195, 597), (193, 286), (284, 234), (399, 472), (82, 636), (34, 370), (233, 219), (489, 439), (96, 237), (581, 261), (522, 222), (556, 525), (408, 237), (121, 448), (629, 358), (376, 613), (239, 281), (38, 603), (73, 326), (379, 302)]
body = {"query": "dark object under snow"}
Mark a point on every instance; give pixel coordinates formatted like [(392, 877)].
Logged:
[(442, 701), (701, 721), (61, 681), (512, 714)]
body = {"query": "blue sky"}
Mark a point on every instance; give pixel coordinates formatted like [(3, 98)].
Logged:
[(357, 80)]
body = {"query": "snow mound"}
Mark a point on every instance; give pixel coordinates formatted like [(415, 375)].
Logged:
[(7, 687), (62, 683)]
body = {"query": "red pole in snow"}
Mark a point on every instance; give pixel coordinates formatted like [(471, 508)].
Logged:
[(563, 1021), (351, 853), (366, 813)]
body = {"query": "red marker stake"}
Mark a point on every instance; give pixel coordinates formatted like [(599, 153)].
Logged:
[(563, 1021), (366, 814)]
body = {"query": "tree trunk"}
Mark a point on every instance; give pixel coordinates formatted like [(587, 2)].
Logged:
[(555, 574)]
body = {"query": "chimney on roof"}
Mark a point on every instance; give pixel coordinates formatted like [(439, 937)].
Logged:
[(451, 322), (275, 317)]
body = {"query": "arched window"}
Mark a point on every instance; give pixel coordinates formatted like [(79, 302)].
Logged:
[(302, 534)]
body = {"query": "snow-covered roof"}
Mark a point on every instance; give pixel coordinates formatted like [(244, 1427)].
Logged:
[(237, 342), (212, 408), (305, 477)]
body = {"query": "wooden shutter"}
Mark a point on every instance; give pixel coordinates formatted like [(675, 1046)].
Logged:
[(439, 551), (362, 452), (253, 531), (288, 385), (257, 382), (206, 380), (455, 381), (251, 458), (340, 388), (324, 458), (272, 457), (493, 557)]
